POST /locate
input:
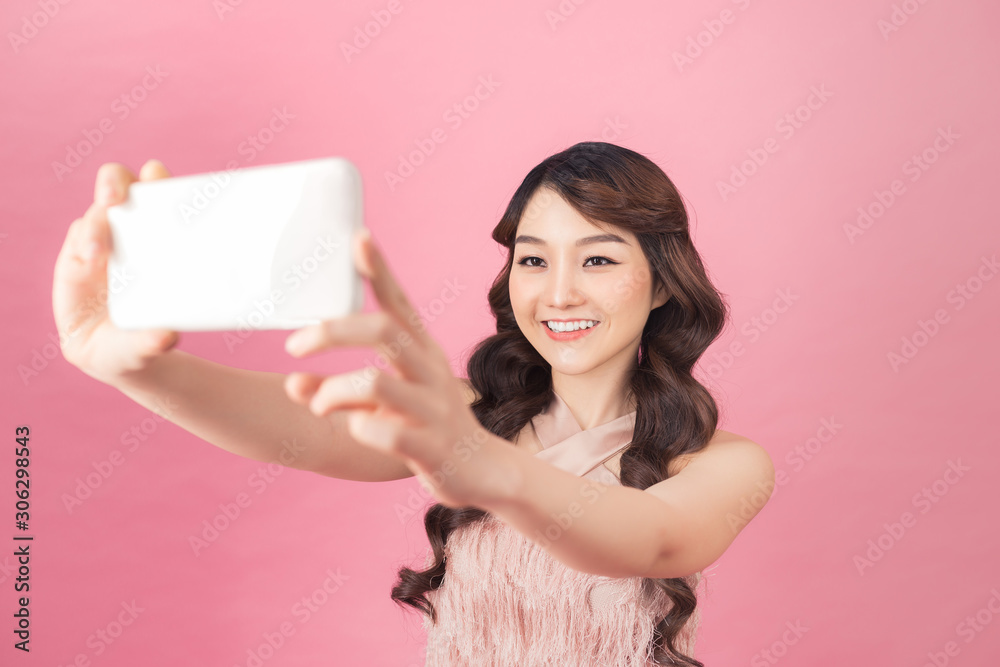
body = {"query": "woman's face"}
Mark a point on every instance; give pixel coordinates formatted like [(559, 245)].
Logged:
[(561, 272)]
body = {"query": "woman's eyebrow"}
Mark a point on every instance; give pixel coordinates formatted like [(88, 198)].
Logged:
[(600, 238)]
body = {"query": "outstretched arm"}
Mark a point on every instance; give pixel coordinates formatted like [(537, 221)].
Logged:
[(251, 414), (672, 529)]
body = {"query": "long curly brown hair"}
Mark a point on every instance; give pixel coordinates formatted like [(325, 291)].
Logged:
[(675, 414)]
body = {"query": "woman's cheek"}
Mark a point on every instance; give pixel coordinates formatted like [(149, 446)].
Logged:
[(624, 291)]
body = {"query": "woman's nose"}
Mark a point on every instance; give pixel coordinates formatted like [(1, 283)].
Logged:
[(562, 286)]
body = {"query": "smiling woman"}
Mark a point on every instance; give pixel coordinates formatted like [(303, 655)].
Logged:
[(581, 482), (593, 558), (565, 289)]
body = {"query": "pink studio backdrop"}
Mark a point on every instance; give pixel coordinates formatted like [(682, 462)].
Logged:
[(837, 159)]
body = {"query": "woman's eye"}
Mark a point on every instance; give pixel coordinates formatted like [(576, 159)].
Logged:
[(605, 261)]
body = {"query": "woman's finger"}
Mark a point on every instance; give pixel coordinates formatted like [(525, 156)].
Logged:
[(362, 390), (387, 433), (300, 387), (153, 170), (399, 330), (80, 281), (379, 330), (390, 294)]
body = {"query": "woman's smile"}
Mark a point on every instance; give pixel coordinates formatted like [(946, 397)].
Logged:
[(572, 334)]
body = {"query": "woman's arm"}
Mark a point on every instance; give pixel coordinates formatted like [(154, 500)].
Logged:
[(249, 414), (244, 412), (674, 528)]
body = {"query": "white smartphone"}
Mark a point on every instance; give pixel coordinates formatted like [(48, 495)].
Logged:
[(266, 247)]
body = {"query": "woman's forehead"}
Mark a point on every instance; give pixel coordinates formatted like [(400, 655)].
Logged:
[(570, 230)]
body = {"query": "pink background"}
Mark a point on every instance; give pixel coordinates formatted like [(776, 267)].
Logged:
[(608, 71)]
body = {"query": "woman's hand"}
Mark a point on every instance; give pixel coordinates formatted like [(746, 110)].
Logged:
[(421, 416), (87, 337)]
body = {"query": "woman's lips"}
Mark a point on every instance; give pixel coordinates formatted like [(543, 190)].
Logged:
[(568, 335)]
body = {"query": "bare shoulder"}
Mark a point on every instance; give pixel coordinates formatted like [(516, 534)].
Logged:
[(717, 493), (727, 449)]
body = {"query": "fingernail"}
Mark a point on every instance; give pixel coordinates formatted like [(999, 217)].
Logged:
[(295, 343), (108, 194), (366, 236)]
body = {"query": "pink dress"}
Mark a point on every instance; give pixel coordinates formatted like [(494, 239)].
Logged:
[(505, 601)]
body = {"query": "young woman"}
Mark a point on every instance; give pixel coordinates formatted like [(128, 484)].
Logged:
[(581, 482)]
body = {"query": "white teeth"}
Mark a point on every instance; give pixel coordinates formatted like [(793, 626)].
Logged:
[(571, 326)]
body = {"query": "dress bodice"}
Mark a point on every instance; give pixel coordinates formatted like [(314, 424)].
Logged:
[(505, 601)]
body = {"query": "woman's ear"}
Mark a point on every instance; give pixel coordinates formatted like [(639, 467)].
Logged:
[(661, 295)]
